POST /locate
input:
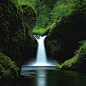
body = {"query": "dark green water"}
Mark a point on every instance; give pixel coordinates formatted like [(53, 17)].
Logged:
[(48, 78)]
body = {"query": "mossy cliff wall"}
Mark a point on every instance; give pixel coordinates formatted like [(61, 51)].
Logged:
[(63, 36), (16, 38), (8, 68), (78, 62)]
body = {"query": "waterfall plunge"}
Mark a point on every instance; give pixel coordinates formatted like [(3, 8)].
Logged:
[(41, 58)]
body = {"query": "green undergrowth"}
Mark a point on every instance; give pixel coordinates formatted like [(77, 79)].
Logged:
[(28, 3), (61, 9), (58, 65), (50, 28), (77, 62), (54, 15), (8, 68), (39, 31)]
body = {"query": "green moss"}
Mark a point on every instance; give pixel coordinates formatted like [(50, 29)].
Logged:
[(8, 67), (58, 65), (28, 3), (39, 31), (77, 62), (49, 29), (16, 36), (67, 30), (61, 9), (54, 13)]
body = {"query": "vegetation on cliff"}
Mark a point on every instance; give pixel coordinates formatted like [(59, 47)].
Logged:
[(16, 31), (63, 36), (63, 21), (16, 37), (64, 25), (8, 68), (43, 9), (77, 62), (52, 11)]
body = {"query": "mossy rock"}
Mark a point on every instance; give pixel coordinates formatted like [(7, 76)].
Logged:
[(78, 62), (8, 68), (62, 40), (16, 37)]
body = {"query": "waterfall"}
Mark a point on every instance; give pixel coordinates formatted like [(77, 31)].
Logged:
[(41, 58), (40, 63)]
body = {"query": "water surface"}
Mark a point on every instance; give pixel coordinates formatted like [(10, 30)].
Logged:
[(42, 77)]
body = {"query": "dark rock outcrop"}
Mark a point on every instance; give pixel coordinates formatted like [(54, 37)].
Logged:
[(62, 40), (78, 62), (16, 38), (8, 68)]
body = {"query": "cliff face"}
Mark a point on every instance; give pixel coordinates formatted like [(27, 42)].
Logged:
[(16, 38), (63, 36), (78, 62), (43, 9)]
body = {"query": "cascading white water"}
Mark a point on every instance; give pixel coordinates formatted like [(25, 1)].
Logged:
[(41, 58), (41, 61)]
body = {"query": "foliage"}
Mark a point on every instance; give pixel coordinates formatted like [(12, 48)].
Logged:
[(67, 31), (52, 13), (6, 73), (42, 21), (61, 9), (43, 16), (77, 62), (28, 3), (49, 14), (39, 31), (57, 64), (8, 68), (16, 38)]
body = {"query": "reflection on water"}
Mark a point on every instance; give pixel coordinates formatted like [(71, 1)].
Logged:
[(43, 77)]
